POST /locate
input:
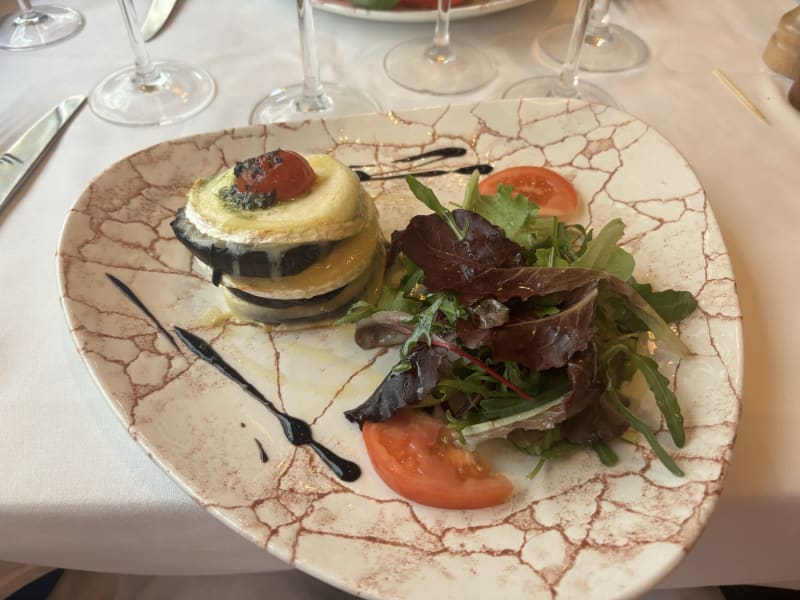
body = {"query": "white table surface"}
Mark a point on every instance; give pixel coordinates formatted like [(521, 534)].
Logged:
[(76, 491)]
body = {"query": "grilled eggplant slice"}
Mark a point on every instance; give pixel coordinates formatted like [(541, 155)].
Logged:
[(245, 260), (311, 312)]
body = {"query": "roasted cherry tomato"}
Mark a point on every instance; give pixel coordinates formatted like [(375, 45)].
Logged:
[(414, 455), (281, 173), (554, 195)]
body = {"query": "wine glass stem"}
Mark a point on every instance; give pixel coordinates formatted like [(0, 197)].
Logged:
[(146, 74), (440, 50), (27, 15), (598, 30), (568, 78), (314, 97)]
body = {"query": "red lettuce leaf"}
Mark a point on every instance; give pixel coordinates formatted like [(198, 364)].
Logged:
[(450, 263), (537, 343), (599, 421), (401, 388), (504, 284), (586, 378)]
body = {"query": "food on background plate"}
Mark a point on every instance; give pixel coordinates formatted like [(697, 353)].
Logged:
[(430, 4), (412, 4), (510, 325), (291, 240)]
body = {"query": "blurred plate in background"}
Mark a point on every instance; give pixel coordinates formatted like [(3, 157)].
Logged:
[(471, 8)]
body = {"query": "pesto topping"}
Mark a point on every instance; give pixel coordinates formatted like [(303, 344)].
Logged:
[(246, 200)]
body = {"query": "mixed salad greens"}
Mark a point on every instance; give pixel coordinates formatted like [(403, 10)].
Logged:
[(519, 327)]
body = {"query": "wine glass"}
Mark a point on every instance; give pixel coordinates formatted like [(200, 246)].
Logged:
[(567, 83), (439, 66), (312, 98), (608, 47), (30, 28), (150, 92)]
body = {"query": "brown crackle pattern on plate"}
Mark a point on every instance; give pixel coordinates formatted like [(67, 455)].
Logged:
[(578, 529)]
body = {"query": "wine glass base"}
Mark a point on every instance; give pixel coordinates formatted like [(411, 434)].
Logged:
[(179, 92), (416, 65), (292, 104), (547, 86), (619, 51), (44, 25)]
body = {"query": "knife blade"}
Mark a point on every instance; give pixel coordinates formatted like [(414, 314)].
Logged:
[(157, 14), (20, 160)]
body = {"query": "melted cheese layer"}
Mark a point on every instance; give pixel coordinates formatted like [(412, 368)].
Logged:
[(336, 207), (315, 313), (346, 260)]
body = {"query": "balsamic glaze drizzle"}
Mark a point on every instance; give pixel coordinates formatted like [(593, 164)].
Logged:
[(262, 454), (135, 299), (438, 154), (482, 168), (297, 431), (449, 152), (435, 155)]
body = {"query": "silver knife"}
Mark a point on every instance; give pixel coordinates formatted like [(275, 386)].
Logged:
[(157, 14), (21, 159)]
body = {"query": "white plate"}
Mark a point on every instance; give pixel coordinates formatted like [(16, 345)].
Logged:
[(473, 8), (578, 529)]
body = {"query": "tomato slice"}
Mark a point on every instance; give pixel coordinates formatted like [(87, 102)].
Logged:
[(413, 453), (554, 195), (282, 173)]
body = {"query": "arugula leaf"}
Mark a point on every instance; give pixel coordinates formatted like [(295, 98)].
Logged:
[(426, 195), (671, 305), (357, 311), (545, 256), (471, 193), (424, 322), (659, 385), (645, 430), (497, 407), (605, 453), (547, 445), (603, 254), (513, 213)]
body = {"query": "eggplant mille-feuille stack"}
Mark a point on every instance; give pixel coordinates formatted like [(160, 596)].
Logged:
[(291, 240)]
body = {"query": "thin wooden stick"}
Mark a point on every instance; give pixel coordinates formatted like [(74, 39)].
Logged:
[(740, 95)]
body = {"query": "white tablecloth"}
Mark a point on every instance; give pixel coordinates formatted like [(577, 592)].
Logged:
[(77, 492)]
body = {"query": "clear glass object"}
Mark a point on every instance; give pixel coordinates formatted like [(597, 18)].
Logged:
[(150, 92), (439, 66), (567, 83), (312, 98), (29, 28), (607, 47)]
